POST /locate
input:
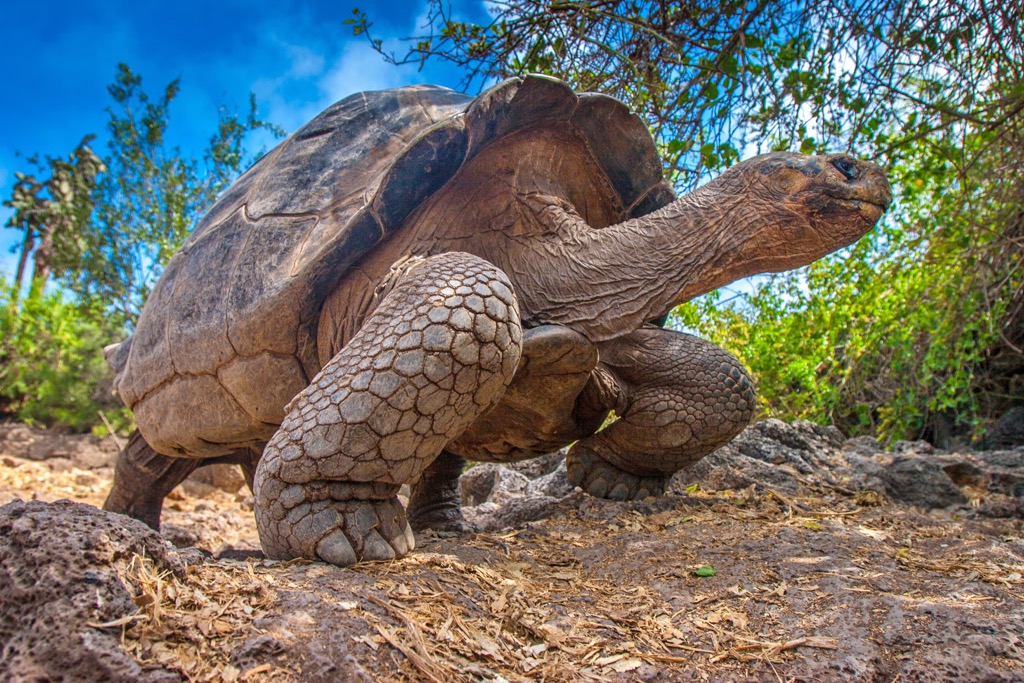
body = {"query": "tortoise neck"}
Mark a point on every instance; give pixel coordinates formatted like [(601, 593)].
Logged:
[(604, 283)]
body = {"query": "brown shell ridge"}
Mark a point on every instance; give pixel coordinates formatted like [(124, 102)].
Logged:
[(611, 131)]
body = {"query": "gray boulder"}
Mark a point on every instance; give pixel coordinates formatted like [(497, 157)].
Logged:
[(491, 483), (59, 577)]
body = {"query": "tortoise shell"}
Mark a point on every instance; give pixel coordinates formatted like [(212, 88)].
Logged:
[(236, 308)]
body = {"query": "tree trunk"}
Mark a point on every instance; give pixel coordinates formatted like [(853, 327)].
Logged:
[(26, 247), (41, 272)]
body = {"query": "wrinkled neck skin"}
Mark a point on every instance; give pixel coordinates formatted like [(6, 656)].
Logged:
[(607, 282)]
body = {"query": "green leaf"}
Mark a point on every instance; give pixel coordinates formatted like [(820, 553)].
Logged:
[(729, 66), (705, 571)]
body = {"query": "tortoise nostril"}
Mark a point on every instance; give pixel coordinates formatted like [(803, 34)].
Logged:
[(847, 167)]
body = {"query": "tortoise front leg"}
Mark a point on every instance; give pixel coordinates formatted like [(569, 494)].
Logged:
[(438, 351), (536, 415), (683, 397)]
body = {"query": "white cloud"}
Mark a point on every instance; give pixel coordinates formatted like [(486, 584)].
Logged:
[(312, 82), (304, 62), (359, 68), (314, 75)]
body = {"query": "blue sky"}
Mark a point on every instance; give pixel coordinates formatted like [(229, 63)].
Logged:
[(297, 58)]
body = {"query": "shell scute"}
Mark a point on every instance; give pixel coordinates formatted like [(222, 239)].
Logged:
[(432, 159), (516, 104), (261, 272), (621, 144), (198, 304)]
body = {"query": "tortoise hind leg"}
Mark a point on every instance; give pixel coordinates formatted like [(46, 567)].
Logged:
[(684, 398), (438, 351), (434, 501), (143, 478)]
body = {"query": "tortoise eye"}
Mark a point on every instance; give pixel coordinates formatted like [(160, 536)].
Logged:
[(846, 166)]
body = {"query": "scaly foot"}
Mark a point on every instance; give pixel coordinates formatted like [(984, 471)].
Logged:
[(601, 479), (336, 522)]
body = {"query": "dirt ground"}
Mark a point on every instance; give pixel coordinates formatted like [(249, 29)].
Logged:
[(703, 586)]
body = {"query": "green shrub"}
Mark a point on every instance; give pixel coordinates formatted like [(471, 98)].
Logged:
[(52, 371)]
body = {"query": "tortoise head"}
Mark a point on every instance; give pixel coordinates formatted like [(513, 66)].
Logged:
[(808, 206)]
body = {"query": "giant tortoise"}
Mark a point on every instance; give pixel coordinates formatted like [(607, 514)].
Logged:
[(416, 277)]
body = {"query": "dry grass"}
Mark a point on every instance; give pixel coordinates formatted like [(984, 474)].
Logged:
[(192, 623)]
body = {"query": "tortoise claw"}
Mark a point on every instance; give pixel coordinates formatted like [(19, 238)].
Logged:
[(601, 479), (335, 549), (307, 522)]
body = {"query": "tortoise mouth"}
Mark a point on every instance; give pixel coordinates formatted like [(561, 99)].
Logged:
[(854, 202), (873, 195)]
